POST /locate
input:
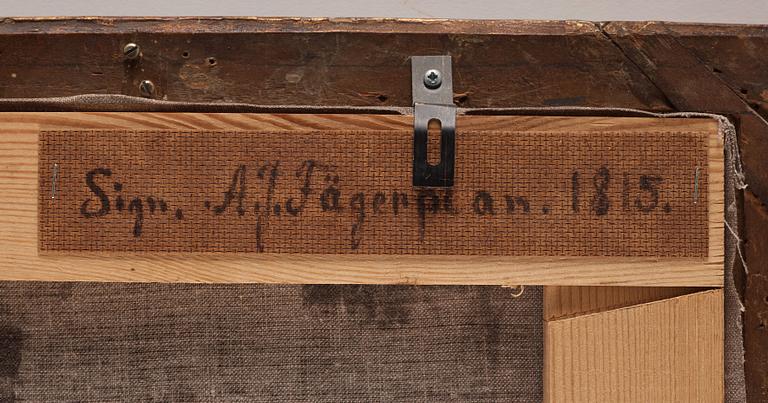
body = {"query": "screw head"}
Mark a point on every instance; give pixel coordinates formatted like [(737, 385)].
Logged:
[(147, 88), (433, 78), (131, 51)]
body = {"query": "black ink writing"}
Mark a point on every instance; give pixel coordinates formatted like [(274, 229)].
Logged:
[(399, 200), (306, 170), (649, 186), (519, 201), (90, 181), (252, 191), (601, 204), (329, 199), (427, 200), (575, 188), (357, 204), (483, 203), (236, 190), (135, 206)]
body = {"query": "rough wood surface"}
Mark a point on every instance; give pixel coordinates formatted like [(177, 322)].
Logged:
[(734, 54), (676, 345), (23, 262), (257, 25), (756, 297), (320, 62)]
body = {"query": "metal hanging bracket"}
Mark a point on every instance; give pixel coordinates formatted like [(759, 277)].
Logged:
[(432, 91)]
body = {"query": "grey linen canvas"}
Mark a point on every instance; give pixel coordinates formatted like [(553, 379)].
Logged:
[(227, 343)]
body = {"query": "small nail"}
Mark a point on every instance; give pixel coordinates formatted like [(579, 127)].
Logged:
[(54, 180), (696, 186)]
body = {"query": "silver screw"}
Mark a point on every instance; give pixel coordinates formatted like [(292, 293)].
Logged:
[(147, 88), (131, 51), (433, 78)]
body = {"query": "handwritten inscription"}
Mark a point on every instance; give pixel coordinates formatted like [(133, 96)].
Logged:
[(252, 189), (135, 205)]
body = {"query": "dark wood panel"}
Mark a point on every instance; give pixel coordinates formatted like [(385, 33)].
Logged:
[(315, 63), (735, 53), (161, 25), (756, 299)]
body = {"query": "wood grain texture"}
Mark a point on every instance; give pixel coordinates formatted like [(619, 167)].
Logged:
[(20, 260), (160, 25), (289, 61), (756, 298), (566, 301), (664, 351), (712, 69), (716, 198), (736, 56), (733, 53)]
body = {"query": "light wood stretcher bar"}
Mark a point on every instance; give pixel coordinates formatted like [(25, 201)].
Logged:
[(20, 258)]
